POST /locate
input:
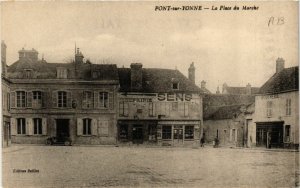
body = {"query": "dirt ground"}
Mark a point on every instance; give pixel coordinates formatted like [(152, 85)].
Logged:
[(87, 166)]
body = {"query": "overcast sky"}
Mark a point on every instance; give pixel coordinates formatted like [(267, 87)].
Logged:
[(236, 47)]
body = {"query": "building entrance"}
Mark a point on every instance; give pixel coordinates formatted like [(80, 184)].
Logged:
[(137, 134), (62, 128), (178, 135)]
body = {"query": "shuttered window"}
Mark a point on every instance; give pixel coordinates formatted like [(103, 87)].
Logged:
[(36, 99), (62, 99), (21, 126), (269, 108), (21, 99), (87, 101), (123, 109), (37, 126), (103, 100), (288, 104), (87, 126)]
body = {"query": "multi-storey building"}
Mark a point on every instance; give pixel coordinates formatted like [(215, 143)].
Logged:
[(276, 119), (76, 99), (5, 84), (159, 106)]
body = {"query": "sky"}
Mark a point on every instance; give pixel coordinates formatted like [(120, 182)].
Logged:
[(232, 46)]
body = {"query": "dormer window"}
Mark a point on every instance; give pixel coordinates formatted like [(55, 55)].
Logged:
[(28, 73), (175, 85), (62, 72), (96, 74)]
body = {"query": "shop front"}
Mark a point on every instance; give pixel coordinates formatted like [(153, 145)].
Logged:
[(269, 134)]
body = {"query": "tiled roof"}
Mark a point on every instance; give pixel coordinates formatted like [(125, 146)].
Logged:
[(222, 106), (157, 80), (44, 70), (285, 80)]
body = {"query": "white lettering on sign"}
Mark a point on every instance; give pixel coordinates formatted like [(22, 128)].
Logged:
[(136, 100), (174, 97), (270, 96)]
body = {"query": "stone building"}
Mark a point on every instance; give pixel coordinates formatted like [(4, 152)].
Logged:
[(159, 106), (276, 118), (248, 90), (76, 99), (5, 89), (225, 118)]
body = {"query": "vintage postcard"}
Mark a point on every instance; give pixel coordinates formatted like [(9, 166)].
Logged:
[(150, 94)]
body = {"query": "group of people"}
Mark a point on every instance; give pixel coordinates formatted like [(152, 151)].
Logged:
[(202, 141)]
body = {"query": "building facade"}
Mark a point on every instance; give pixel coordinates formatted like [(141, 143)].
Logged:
[(276, 118), (158, 106), (76, 99), (5, 89)]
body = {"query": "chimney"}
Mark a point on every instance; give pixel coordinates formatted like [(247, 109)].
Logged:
[(3, 58), (224, 88), (218, 90), (279, 65), (136, 76), (248, 89), (192, 72), (203, 83)]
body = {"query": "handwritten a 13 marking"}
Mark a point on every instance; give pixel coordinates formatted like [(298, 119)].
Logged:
[(275, 21)]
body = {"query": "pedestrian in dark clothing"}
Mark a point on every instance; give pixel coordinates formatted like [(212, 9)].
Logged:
[(202, 142)]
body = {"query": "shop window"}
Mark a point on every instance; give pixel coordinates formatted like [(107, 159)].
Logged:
[(36, 99), (288, 104), (87, 126), (167, 132), (21, 99), (103, 99), (21, 126), (37, 126), (287, 133), (123, 109), (87, 101), (62, 99), (123, 131), (269, 108), (189, 132)]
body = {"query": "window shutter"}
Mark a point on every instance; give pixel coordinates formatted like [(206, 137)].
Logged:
[(44, 126), (13, 99), (29, 125), (54, 99), (111, 100), (230, 135), (29, 99), (79, 126), (69, 99), (96, 99), (94, 127), (44, 99), (13, 124)]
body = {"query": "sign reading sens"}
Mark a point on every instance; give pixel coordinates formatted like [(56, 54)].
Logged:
[(174, 97)]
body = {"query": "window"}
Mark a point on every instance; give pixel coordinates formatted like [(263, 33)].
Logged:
[(21, 98), (151, 109), (152, 132), (233, 135), (28, 73), (175, 106), (166, 132), (103, 99), (186, 109), (87, 99), (37, 99), (37, 125), (189, 132), (62, 99), (123, 109), (87, 126), (269, 108), (21, 126), (62, 72), (288, 104), (175, 86), (287, 133)]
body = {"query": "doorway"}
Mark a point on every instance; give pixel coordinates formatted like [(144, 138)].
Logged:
[(178, 135), (137, 134), (62, 128)]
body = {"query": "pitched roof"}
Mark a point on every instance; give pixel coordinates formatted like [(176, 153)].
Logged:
[(283, 81), (157, 80), (241, 90), (223, 106), (44, 70)]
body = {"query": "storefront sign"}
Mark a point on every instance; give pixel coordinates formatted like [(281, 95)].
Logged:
[(270, 96), (136, 99), (174, 97)]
